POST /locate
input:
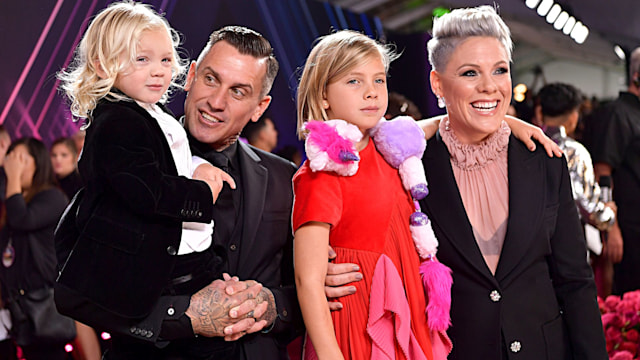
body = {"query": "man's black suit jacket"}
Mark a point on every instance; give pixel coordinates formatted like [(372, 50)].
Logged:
[(265, 249), (541, 303)]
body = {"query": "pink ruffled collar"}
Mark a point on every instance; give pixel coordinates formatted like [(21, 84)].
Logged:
[(474, 156)]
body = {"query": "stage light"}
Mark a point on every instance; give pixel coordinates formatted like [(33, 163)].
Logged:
[(579, 32), (531, 4), (618, 50), (561, 20), (68, 348), (105, 336), (519, 92), (568, 27), (522, 88), (581, 36), (553, 13), (544, 7)]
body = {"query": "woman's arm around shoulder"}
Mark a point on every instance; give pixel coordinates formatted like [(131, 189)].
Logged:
[(522, 130)]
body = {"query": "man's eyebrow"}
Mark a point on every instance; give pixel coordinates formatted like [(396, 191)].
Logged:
[(208, 69)]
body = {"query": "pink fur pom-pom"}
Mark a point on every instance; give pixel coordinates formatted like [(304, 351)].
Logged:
[(330, 146), (437, 281)]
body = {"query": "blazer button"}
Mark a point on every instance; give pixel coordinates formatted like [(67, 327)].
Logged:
[(199, 214), (182, 212), (233, 247), (515, 346), (133, 329), (495, 296), (171, 250), (149, 334), (171, 311)]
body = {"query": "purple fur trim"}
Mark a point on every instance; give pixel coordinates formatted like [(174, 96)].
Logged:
[(419, 219), (419, 191), (399, 139), (437, 280)]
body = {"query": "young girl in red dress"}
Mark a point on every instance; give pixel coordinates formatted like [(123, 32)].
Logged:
[(359, 206)]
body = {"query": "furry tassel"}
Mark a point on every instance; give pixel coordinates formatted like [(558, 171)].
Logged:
[(437, 281)]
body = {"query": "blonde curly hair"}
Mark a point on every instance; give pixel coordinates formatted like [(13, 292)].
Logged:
[(116, 30)]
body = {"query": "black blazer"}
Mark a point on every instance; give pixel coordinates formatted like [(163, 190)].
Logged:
[(30, 227), (541, 303), (266, 247), (130, 222)]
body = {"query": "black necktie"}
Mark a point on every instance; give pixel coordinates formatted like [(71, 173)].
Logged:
[(224, 214), (219, 160)]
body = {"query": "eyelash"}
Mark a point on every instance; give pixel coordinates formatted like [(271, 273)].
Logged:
[(499, 71), (379, 81)]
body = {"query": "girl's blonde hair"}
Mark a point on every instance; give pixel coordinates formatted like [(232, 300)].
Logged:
[(116, 30), (333, 56)]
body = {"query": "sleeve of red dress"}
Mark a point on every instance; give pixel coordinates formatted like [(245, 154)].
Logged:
[(318, 197)]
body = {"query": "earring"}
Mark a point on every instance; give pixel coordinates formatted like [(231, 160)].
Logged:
[(325, 104), (441, 103), (447, 125)]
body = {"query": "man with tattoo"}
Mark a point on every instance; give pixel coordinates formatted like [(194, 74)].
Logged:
[(227, 87), (199, 316)]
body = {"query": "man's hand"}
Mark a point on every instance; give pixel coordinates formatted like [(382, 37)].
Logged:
[(210, 308), (613, 246), (339, 275), (262, 309)]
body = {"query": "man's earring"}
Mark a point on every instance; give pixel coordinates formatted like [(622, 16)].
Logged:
[(441, 103)]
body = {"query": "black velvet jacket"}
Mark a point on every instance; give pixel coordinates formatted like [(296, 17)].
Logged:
[(129, 224)]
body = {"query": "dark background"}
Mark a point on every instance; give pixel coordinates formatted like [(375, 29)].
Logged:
[(39, 37)]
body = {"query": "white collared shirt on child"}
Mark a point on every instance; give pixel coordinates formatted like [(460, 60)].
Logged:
[(196, 237)]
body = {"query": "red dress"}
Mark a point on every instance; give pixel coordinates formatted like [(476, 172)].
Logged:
[(369, 217)]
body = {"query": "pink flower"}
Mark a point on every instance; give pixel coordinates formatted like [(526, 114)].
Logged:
[(613, 334), (622, 355), (628, 346), (633, 296), (625, 306), (612, 320), (601, 305), (634, 320), (632, 335), (611, 302)]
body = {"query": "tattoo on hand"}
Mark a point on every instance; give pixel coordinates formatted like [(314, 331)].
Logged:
[(271, 313), (209, 311)]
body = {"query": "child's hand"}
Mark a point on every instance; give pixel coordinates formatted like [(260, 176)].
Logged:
[(214, 177), (525, 132)]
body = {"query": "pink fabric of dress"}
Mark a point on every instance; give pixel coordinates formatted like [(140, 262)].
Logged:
[(369, 216), (482, 177)]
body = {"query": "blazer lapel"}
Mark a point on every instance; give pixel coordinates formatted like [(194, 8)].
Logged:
[(526, 201), (445, 208), (254, 185)]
